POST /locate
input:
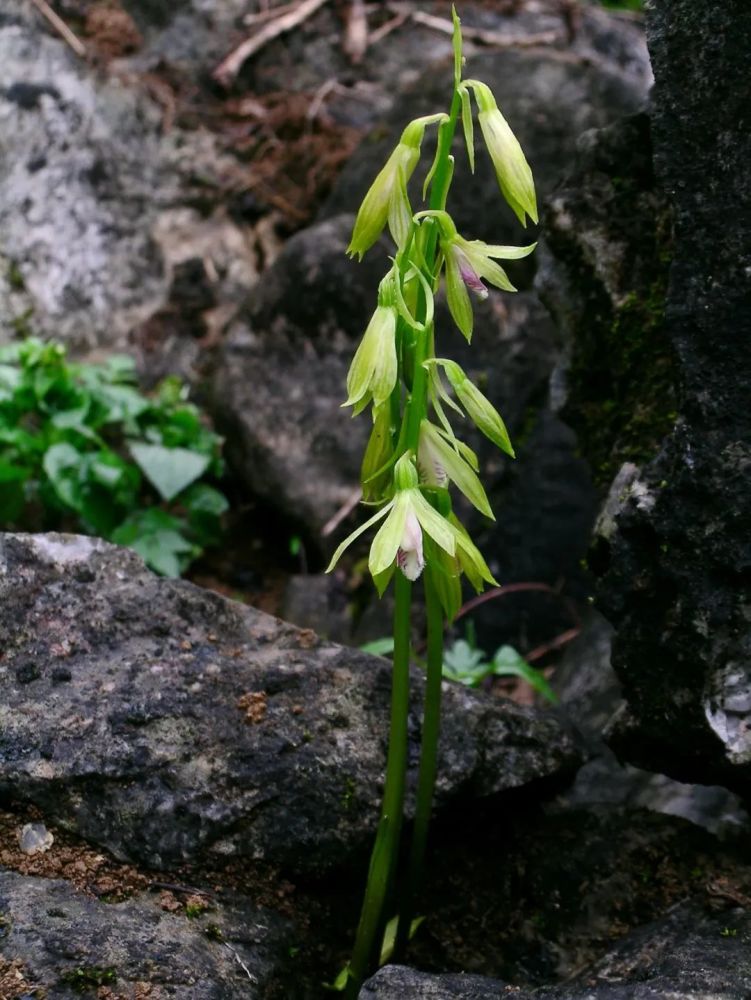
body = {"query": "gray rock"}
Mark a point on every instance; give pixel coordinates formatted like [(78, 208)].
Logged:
[(35, 838), (69, 943), (166, 723), (77, 171), (676, 567), (591, 697), (686, 954), (96, 204)]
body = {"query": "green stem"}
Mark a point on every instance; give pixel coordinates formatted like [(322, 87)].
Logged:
[(428, 763), (418, 403), (384, 857)]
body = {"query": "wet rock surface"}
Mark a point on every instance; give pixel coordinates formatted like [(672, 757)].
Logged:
[(68, 944), (688, 954), (675, 557), (165, 723)]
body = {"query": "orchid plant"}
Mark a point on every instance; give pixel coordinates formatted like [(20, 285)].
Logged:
[(413, 455)]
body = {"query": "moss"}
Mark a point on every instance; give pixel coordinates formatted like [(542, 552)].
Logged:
[(623, 400), (348, 795), (87, 978), (15, 278)]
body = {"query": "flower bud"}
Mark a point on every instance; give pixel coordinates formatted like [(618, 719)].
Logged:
[(479, 408), (373, 372), (387, 200), (511, 167)]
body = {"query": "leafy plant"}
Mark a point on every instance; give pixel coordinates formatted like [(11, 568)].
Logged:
[(81, 446)]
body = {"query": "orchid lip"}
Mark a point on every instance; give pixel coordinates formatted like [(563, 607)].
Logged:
[(468, 274), (473, 282)]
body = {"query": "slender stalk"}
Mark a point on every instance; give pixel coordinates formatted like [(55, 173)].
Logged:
[(385, 852), (428, 763), (438, 192)]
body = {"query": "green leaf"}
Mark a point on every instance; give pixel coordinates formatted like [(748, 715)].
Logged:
[(169, 470), (203, 499), (62, 463), (389, 937), (379, 647), (156, 536), (12, 499), (508, 662), (461, 658)]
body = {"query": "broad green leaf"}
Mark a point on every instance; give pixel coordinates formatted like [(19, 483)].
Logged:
[(462, 658), (204, 499), (156, 537), (509, 662), (62, 463), (169, 470), (12, 499)]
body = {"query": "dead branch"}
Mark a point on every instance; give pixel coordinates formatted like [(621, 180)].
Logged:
[(230, 66), (268, 14), (481, 35), (380, 33), (344, 511), (60, 27)]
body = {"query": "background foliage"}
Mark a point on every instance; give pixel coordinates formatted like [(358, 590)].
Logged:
[(82, 448)]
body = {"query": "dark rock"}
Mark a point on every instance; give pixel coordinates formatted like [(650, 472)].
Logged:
[(544, 893), (687, 954), (675, 554), (609, 230), (69, 944), (193, 726), (591, 697)]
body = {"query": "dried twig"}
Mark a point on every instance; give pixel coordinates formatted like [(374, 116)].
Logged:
[(268, 14), (344, 511), (230, 66), (482, 35), (318, 100), (547, 647), (380, 33), (60, 27)]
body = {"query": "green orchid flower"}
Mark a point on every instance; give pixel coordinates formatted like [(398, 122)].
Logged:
[(511, 167)]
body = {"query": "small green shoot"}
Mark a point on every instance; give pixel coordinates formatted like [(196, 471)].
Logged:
[(464, 663)]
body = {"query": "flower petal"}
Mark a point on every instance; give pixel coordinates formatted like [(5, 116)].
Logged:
[(457, 296), (458, 471), (356, 534), (389, 537), (433, 524)]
